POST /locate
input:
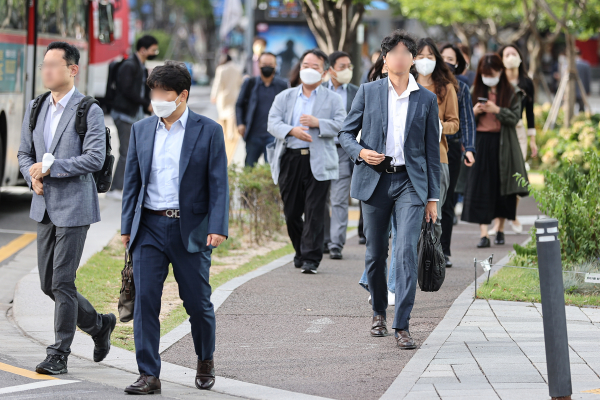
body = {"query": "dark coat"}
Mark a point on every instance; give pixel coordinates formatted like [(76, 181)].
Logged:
[(130, 77)]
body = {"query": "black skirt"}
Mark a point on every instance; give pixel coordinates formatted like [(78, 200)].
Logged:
[(483, 201)]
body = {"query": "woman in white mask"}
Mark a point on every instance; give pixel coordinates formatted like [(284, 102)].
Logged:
[(517, 76), (492, 188), (434, 75)]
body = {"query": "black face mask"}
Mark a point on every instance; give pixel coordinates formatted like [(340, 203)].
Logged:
[(452, 67), (267, 71), (152, 57)]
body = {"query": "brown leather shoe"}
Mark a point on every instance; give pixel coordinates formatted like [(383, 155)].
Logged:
[(146, 384), (404, 341), (379, 328), (205, 375)]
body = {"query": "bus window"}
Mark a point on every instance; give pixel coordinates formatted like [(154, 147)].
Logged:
[(105, 22), (64, 18), (13, 14)]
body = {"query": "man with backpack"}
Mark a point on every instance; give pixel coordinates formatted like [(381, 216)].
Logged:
[(130, 100), (63, 146), (253, 105)]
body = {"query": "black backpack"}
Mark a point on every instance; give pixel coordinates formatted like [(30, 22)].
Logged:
[(111, 84), (103, 178)]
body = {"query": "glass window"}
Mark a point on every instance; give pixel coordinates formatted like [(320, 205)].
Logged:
[(65, 18)]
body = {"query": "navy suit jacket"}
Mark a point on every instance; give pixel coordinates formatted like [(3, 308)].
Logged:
[(203, 181), (369, 112)]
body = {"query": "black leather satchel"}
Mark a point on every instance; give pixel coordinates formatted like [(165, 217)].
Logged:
[(432, 263), (127, 294)]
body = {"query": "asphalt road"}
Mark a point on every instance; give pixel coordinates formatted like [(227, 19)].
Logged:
[(310, 333)]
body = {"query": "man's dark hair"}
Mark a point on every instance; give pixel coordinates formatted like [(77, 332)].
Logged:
[(267, 53), (319, 53), (173, 75), (145, 42), (71, 55), (399, 36), (336, 55)]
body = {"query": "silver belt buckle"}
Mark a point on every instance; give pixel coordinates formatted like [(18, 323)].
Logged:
[(304, 152), (172, 213)]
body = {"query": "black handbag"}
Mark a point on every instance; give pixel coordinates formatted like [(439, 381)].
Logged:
[(127, 294), (432, 263)]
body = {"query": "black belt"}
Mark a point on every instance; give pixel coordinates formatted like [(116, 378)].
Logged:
[(394, 170), (302, 152), (163, 213)]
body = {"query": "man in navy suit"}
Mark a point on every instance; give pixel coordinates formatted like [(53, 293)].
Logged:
[(175, 211), (397, 174)]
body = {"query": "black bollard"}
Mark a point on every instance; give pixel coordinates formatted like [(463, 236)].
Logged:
[(553, 308)]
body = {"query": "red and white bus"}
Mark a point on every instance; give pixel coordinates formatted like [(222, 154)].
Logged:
[(99, 29)]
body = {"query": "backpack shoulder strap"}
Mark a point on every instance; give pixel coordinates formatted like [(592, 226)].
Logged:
[(35, 110), (81, 115)]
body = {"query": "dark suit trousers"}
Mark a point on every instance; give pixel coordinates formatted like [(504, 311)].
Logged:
[(303, 194), (158, 244), (59, 254), (454, 162), (394, 196)]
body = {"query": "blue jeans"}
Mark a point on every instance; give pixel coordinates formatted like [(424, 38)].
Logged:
[(394, 196), (255, 147)]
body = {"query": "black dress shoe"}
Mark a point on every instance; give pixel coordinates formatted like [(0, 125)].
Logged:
[(205, 374), (404, 341), (484, 242), (379, 327), (102, 339), (362, 240), (146, 384), (309, 267), (326, 248), (499, 238), (335, 254), (448, 262), (54, 364)]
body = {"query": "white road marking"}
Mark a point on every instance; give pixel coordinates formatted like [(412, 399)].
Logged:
[(317, 325), (35, 385)]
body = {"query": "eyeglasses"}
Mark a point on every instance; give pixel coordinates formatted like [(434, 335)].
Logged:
[(51, 66)]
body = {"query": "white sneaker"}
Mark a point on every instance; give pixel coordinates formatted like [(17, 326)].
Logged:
[(516, 226), (391, 299), (492, 232), (370, 301), (115, 194), (458, 208)]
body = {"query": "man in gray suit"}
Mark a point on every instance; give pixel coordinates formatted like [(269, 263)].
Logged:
[(336, 225), (397, 172), (65, 201), (303, 158)]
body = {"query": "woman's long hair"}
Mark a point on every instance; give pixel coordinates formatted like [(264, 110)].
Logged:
[(487, 65), (524, 80), (376, 70), (294, 75), (441, 75), (460, 58)]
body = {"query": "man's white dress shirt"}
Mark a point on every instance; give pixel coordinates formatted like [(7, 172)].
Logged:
[(163, 186)]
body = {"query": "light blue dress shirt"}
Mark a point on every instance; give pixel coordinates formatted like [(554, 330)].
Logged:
[(163, 185), (303, 105)]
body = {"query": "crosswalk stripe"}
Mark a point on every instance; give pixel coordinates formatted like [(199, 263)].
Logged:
[(34, 385)]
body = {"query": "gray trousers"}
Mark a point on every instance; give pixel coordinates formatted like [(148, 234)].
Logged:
[(336, 225), (124, 130), (59, 253), (444, 184)]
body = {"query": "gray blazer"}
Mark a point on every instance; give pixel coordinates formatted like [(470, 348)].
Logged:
[(330, 111), (421, 141), (351, 90), (70, 195)]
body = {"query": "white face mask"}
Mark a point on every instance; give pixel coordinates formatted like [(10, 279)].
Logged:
[(425, 66), (490, 81), (163, 109), (344, 76), (512, 61), (310, 76)]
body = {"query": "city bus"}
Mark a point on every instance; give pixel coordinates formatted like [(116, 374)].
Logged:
[(98, 28)]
